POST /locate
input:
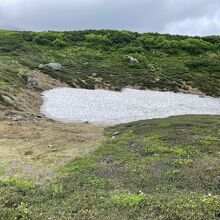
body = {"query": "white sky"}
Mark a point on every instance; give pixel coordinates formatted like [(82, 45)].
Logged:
[(191, 17)]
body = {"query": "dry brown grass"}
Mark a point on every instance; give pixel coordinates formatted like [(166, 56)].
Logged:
[(34, 150)]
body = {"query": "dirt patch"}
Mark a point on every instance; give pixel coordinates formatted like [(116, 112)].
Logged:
[(191, 90), (27, 101)]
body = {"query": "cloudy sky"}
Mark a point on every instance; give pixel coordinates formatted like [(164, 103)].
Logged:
[(190, 17)]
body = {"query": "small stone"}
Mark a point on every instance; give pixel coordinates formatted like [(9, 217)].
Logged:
[(157, 78), (116, 133), (32, 81), (140, 192), (107, 160), (41, 66)]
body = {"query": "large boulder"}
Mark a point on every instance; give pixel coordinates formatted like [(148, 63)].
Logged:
[(53, 66)]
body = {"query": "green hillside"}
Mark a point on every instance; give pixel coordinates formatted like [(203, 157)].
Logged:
[(98, 59), (153, 169)]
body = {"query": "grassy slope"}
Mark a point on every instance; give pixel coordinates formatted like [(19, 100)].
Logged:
[(156, 169), (90, 65), (33, 150)]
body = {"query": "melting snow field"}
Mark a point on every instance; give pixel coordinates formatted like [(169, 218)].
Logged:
[(108, 107)]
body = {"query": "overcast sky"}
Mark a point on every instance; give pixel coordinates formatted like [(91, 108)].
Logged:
[(190, 17)]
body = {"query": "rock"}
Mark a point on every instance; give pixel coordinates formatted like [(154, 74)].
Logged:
[(107, 160), (54, 66), (116, 133), (7, 99), (132, 59), (202, 96), (32, 81), (140, 192), (41, 66), (157, 78)]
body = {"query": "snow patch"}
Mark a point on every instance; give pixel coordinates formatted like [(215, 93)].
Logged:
[(109, 107)]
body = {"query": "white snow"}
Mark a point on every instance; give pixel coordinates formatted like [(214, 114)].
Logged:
[(108, 107)]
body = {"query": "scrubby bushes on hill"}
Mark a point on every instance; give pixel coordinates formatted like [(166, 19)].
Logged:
[(131, 41), (172, 60)]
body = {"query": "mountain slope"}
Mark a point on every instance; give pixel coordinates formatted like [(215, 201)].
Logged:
[(101, 59), (154, 169)]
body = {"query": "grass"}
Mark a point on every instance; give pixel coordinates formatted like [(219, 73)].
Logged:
[(88, 65), (154, 169), (159, 169), (35, 151)]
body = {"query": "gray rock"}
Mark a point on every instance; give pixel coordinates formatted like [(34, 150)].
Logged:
[(54, 66), (32, 81), (202, 96), (41, 66), (7, 99), (107, 160), (132, 59), (116, 133)]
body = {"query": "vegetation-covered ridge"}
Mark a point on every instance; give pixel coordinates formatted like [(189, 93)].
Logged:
[(155, 169), (100, 58)]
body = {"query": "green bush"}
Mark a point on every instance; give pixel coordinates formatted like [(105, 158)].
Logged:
[(132, 49), (97, 39), (59, 43), (130, 200), (49, 38)]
